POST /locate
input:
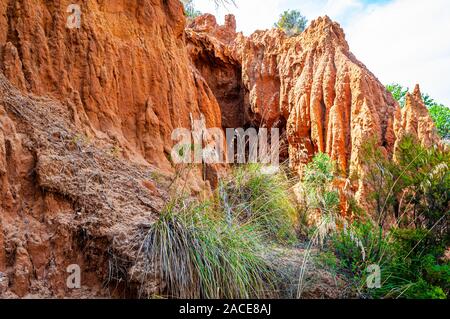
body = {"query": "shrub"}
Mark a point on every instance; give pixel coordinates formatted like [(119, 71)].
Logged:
[(398, 92), (425, 183), (408, 261), (292, 22), (414, 188), (317, 185), (382, 179), (408, 272), (359, 245), (198, 255), (264, 200)]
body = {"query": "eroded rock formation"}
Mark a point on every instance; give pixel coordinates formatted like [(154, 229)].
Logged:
[(314, 89), (86, 117), (415, 120), (125, 72), (81, 158), (328, 99)]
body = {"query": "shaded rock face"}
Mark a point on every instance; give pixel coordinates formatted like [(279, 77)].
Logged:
[(218, 66), (86, 117)]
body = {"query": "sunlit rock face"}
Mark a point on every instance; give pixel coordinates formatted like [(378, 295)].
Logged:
[(313, 88), (86, 116), (312, 84), (415, 120)]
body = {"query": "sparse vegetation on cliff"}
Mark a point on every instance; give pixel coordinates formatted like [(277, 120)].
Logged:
[(292, 22)]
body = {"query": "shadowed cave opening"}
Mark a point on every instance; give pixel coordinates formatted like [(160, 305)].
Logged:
[(225, 81)]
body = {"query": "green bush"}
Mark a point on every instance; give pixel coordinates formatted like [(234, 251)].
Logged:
[(409, 262), (382, 178), (398, 92), (317, 184), (263, 200), (292, 22), (407, 232), (413, 189), (441, 116), (359, 245), (409, 272), (424, 183), (199, 255)]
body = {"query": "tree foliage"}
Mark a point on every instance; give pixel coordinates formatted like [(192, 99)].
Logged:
[(425, 186), (398, 92), (441, 116), (411, 233), (292, 22), (414, 189)]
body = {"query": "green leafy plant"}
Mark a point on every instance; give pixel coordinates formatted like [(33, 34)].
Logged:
[(412, 192), (382, 178), (292, 22), (407, 272), (264, 200), (441, 116), (317, 183), (398, 92), (359, 245), (425, 186), (199, 255)]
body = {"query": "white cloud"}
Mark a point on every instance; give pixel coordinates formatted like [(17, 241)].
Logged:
[(341, 9), (404, 41)]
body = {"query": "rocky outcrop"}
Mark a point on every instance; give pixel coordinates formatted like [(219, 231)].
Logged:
[(86, 116), (67, 200), (211, 51), (312, 84), (415, 120), (314, 89), (121, 70)]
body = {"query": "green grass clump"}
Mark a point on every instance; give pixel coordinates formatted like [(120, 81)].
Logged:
[(264, 200), (199, 255)]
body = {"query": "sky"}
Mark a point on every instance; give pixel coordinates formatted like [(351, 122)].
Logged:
[(401, 41)]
